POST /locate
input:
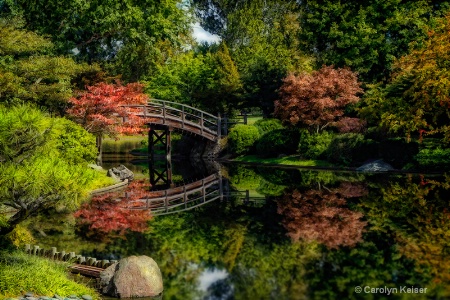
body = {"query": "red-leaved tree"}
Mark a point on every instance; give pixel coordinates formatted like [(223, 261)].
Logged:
[(111, 213), (102, 109), (322, 215), (317, 100)]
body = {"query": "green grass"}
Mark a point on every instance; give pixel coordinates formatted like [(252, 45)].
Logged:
[(252, 120), (123, 145), (20, 272), (294, 160)]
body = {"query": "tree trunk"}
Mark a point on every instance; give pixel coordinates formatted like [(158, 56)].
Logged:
[(17, 218), (99, 142)]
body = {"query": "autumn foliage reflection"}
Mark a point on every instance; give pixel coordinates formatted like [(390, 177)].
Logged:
[(322, 215), (110, 213)]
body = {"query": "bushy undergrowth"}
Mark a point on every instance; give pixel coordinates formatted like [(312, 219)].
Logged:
[(242, 138), (437, 158), (313, 146), (21, 272), (278, 141), (267, 125), (72, 142), (350, 149)]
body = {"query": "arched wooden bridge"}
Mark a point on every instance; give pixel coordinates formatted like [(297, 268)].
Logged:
[(168, 114)]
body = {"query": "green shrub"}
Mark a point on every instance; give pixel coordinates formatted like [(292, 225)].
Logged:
[(350, 148), (313, 145), (20, 236), (72, 142), (242, 138), (433, 158), (278, 141), (267, 125)]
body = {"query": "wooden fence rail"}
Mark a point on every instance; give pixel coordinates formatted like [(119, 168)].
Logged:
[(88, 266)]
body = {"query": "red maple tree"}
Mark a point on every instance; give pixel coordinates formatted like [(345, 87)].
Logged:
[(322, 215), (106, 109), (112, 213), (317, 100)]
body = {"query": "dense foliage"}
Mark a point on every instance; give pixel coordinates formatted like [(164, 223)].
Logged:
[(38, 168), (30, 72), (416, 101), (278, 142), (127, 37), (242, 138)]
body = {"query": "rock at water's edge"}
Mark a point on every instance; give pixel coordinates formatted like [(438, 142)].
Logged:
[(121, 172), (375, 166), (134, 276)]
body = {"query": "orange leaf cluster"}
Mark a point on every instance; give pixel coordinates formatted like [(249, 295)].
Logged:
[(317, 100), (102, 108)]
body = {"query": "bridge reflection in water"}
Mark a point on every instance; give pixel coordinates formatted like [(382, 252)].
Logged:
[(189, 196)]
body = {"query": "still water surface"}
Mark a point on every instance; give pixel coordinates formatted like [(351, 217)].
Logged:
[(288, 234)]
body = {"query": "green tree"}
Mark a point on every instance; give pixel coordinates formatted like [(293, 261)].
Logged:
[(30, 73), (207, 80), (417, 99), (263, 41), (131, 37), (366, 36)]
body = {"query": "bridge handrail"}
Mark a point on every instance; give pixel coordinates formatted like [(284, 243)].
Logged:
[(168, 108), (152, 100), (182, 112)]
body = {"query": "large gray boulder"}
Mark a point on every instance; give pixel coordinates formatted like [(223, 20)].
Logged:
[(375, 166), (121, 172), (134, 276)]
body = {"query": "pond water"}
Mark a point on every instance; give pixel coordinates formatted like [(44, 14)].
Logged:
[(283, 234)]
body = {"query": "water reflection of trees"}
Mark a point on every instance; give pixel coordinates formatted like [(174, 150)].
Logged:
[(416, 212), (322, 215), (403, 238)]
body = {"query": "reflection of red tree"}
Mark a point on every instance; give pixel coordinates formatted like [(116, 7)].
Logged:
[(321, 215), (110, 212)]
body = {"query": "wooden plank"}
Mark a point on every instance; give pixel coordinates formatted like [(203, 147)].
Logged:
[(86, 270)]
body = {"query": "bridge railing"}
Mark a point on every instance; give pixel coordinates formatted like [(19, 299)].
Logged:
[(182, 116)]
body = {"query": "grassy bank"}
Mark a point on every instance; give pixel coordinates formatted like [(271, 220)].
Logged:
[(20, 272), (293, 160), (124, 144)]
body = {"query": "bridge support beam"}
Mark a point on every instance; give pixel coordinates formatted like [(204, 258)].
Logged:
[(160, 135)]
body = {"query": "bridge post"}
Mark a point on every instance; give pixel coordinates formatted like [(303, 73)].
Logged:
[(225, 123), (219, 127)]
